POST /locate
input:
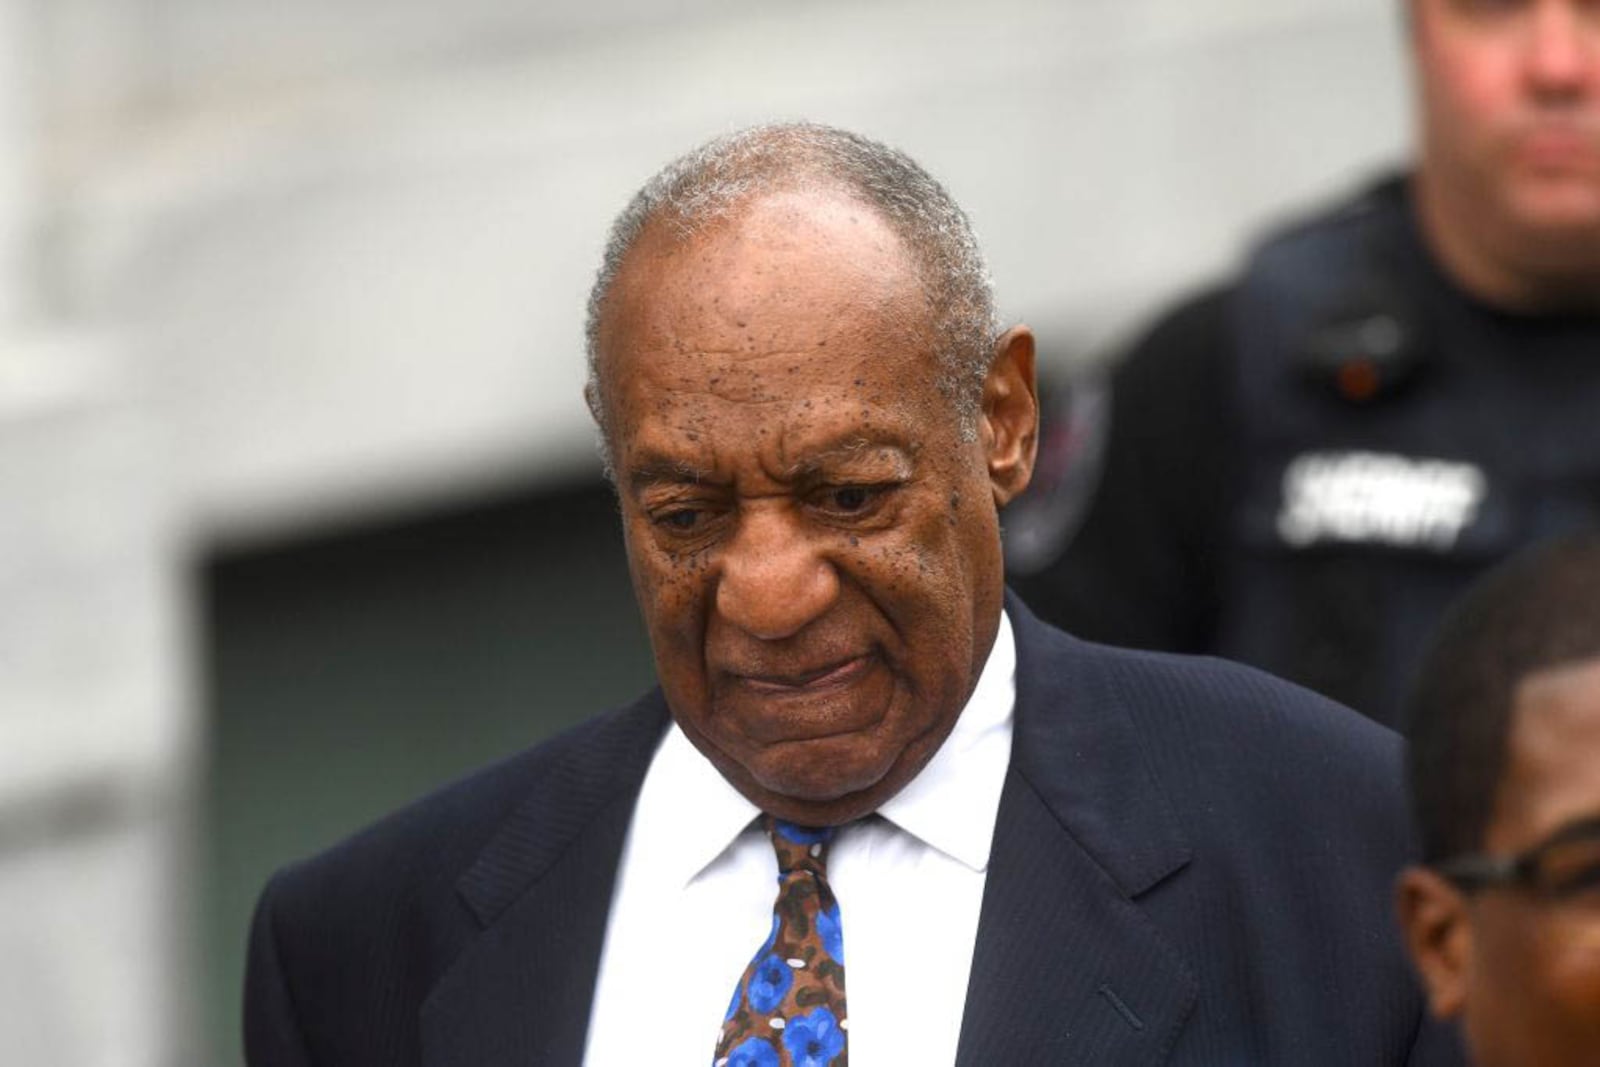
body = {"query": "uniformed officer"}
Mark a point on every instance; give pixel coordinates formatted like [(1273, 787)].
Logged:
[(1304, 466)]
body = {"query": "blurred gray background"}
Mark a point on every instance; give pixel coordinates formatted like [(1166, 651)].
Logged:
[(299, 511)]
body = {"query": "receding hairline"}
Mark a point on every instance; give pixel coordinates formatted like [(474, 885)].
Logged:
[(660, 238), (685, 222), (700, 188)]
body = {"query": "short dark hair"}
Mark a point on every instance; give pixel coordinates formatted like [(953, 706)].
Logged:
[(1537, 611)]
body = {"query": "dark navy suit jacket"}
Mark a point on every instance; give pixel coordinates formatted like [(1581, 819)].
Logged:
[(1192, 865)]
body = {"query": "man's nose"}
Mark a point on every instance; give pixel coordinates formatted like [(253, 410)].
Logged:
[(774, 579), (1562, 47)]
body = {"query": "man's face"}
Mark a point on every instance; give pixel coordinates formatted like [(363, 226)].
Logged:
[(814, 548), (1522, 968), (1510, 111), (1533, 991)]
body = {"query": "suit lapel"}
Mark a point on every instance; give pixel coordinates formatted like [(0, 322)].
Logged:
[(521, 991), (1068, 968)]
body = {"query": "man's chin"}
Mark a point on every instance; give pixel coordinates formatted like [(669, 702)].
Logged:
[(811, 779), (816, 790), (1562, 215)]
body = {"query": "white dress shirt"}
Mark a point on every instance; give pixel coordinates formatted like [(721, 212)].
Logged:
[(698, 879)]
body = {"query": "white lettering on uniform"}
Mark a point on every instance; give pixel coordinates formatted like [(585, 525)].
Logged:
[(1378, 498)]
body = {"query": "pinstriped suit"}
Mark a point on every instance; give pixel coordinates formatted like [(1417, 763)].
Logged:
[(1192, 865)]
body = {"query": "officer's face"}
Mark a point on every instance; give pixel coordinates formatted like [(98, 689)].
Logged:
[(814, 548), (1521, 967), (1510, 110)]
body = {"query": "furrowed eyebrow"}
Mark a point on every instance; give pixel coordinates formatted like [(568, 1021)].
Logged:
[(850, 452), (664, 472), (654, 469)]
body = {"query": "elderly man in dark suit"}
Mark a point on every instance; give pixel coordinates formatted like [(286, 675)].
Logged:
[(1007, 845)]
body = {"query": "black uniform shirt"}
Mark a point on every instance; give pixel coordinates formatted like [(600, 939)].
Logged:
[(1203, 534)]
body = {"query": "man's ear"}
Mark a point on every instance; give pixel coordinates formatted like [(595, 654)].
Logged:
[(1438, 934), (1010, 425)]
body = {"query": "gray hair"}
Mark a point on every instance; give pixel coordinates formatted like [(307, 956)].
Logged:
[(708, 183)]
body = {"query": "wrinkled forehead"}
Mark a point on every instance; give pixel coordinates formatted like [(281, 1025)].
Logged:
[(800, 207), (791, 326), (773, 264)]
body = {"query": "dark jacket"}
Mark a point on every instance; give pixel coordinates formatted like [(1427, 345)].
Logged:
[(1192, 865)]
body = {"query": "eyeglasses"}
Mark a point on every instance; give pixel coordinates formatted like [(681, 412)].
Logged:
[(1562, 865)]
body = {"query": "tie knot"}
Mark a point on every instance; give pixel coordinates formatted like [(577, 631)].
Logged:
[(799, 848)]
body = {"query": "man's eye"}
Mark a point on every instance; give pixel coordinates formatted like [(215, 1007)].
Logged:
[(1571, 868), (850, 498), (680, 520)]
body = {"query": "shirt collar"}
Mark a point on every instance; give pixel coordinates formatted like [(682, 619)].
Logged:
[(701, 810), (951, 805)]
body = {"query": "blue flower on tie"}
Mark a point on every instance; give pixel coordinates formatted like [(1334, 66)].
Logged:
[(753, 1052), (813, 1039), (828, 925), (769, 983), (802, 835)]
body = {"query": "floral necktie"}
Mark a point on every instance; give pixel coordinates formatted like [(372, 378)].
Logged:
[(788, 1009)]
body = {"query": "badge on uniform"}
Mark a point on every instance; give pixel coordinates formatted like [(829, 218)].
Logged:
[(1378, 498)]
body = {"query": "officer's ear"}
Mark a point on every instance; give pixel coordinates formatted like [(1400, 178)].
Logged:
[(1438, 934), (1010, 414)]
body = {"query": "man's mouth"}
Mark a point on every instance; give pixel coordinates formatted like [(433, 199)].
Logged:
[(1559, 147), (773, 704), (808, 679)]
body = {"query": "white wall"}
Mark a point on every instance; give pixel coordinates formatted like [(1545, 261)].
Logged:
[(358, 262)]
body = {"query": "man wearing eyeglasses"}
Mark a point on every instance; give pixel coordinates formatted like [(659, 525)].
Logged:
[(1503, 918)]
